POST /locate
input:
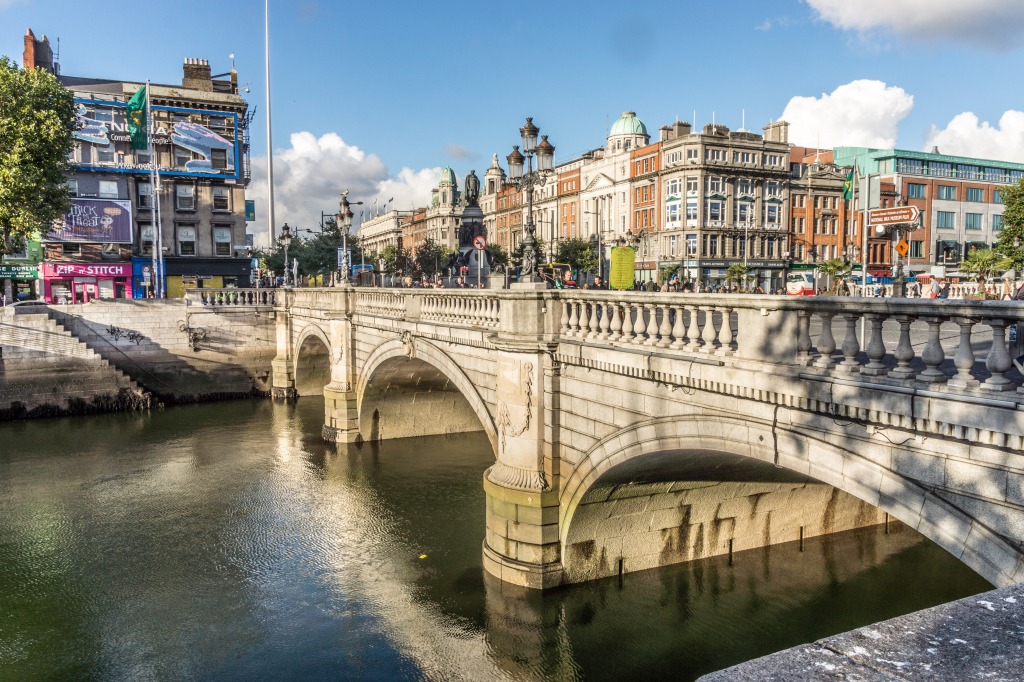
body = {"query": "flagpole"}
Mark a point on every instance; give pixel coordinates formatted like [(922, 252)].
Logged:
[(270, 139), (152, 192)]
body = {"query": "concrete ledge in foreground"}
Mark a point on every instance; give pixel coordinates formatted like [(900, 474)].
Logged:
[(977, 638)]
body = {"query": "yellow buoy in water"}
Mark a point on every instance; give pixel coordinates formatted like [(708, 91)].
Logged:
[(423, 556)]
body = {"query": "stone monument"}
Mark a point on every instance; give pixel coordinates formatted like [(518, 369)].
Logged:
[(475, 262)]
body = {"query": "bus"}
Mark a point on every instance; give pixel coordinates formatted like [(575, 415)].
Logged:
[(800, 283)]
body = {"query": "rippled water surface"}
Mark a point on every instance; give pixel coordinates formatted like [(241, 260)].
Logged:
[(228, 542)]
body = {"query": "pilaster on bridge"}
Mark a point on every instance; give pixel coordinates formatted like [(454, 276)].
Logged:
[(909, 406)]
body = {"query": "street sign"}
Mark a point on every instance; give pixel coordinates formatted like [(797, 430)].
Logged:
[(893, 216), (479, 242), (902, 247)]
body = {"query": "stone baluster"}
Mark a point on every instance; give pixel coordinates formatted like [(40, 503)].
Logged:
[(876, 347), (595, 320), (574, 318), (933, 355), (678, 329), (652, 325), (850, 344), (627, 323), (615, 322), (639, 326), (964, 358), (803, 336), (826, 342), (710, 334), (693, 331), (665, 330), (563, 328), (998, 361), (725, 334), (606, 312), (584, 320)]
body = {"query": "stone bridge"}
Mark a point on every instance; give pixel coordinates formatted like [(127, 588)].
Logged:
[(625, 426)]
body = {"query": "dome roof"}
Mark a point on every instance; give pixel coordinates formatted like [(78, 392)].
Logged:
[(628, 124), (447, 176)]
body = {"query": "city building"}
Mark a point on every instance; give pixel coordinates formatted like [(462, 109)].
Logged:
[(960, 200), (104, 247)]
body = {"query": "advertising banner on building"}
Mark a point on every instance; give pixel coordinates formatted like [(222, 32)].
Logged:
[(19, 272), (189, 142), (95, 220)]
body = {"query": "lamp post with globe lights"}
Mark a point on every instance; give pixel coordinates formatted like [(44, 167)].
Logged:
[(344, 222), (285, 240), (528, 181)]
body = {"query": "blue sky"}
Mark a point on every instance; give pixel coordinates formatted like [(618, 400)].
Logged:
[(379, 96)]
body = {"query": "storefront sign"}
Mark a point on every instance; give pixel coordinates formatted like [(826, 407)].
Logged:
[(62, 270), (95, 220), (19, 272)]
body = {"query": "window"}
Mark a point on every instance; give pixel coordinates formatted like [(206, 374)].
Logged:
[(968, 172), (221, 199), (184, 198), (181, 157), (916, 249), (714, 154), (947, 192), (219, 158), (673, 187), (976, 194), (940, 169), (691, 209), (108, 189), (744, 211), (745, 187), (105, 154), (71, 249), (997, 196), (714, 184), (144, 195), (772, 188), (691, 245), (997, 222), (672, 212), (186, 241), (915, 190), (945, 220), (691, 185), (221, 240), (691, 153), (972, 221), (910, 166), (771, 213), (142, 157), (146, 240), (713, 210), (72, 187), (713, 245), (672, 246)]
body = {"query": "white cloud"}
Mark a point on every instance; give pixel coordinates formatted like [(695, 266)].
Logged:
[(965, 135), (991, 23), (860, 113), (457, 151), (310, 175)]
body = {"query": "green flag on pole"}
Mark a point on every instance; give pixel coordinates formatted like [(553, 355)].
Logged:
[(136, 115), (848, 187)]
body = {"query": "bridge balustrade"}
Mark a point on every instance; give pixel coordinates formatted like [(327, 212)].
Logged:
[(231, 297)]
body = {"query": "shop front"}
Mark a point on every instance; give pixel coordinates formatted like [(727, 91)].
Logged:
[(142, 278), (205, 273), (83, 282), (19, 282)]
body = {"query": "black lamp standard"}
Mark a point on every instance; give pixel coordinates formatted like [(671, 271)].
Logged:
[(285, 239), (545, 153), (344, 221)]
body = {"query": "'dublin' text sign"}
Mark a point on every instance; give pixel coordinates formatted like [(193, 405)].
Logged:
[(893, 216)]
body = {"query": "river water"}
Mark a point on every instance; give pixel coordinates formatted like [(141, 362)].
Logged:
[(228, 542)]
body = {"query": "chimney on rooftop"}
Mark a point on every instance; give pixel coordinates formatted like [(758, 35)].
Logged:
[(776, 132), (37, 54), (196, 75)]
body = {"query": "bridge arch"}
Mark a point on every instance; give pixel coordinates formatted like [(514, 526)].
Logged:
[(801, 452), (312, 361), (417, 349)]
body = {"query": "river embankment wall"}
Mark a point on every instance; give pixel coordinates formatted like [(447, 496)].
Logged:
[(54, 358)]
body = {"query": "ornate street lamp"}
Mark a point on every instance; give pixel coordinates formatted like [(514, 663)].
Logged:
[(344, 221), (545, 153), (285, 239)]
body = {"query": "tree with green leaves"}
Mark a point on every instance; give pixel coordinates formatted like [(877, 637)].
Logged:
[(1011, 238), (985, 264), (429, 258), (37, 118), (835, 269), (580, 254), (737, 275)]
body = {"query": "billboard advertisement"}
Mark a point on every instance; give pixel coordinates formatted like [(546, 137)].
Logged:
[(188, 142), (95, 220)]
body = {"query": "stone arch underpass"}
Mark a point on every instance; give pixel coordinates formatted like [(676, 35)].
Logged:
[(413, 388), (694, 518), (312, 361)]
